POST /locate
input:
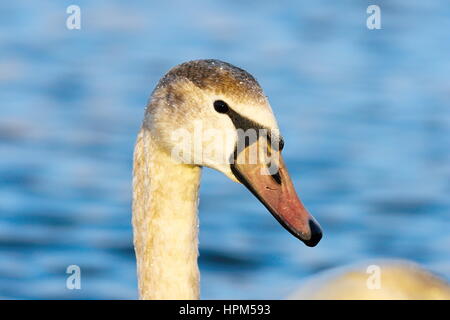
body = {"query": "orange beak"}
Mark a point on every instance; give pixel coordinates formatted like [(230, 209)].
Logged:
[(275, 190)]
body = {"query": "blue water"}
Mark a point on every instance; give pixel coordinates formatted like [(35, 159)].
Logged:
[(365, 115)]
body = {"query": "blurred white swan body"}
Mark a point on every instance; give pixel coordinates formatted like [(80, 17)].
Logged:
[(165, 192), (398, 280)]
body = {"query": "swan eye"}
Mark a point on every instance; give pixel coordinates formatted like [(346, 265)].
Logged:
[(281, 144), (221, 106)]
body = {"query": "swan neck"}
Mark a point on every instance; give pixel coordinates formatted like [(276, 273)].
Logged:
[(165, 223)]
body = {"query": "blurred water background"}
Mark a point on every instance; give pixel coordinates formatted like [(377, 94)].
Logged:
[(365, 115)]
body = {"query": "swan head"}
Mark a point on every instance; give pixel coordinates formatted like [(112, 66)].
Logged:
[(211, 113)]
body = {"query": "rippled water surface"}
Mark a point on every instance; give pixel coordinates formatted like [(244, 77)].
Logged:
[(365, 115)]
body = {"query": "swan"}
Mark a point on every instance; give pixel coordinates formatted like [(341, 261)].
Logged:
[(398, 280), (213, 114)]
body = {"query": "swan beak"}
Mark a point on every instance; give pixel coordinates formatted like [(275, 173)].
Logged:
[(276, 191)]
